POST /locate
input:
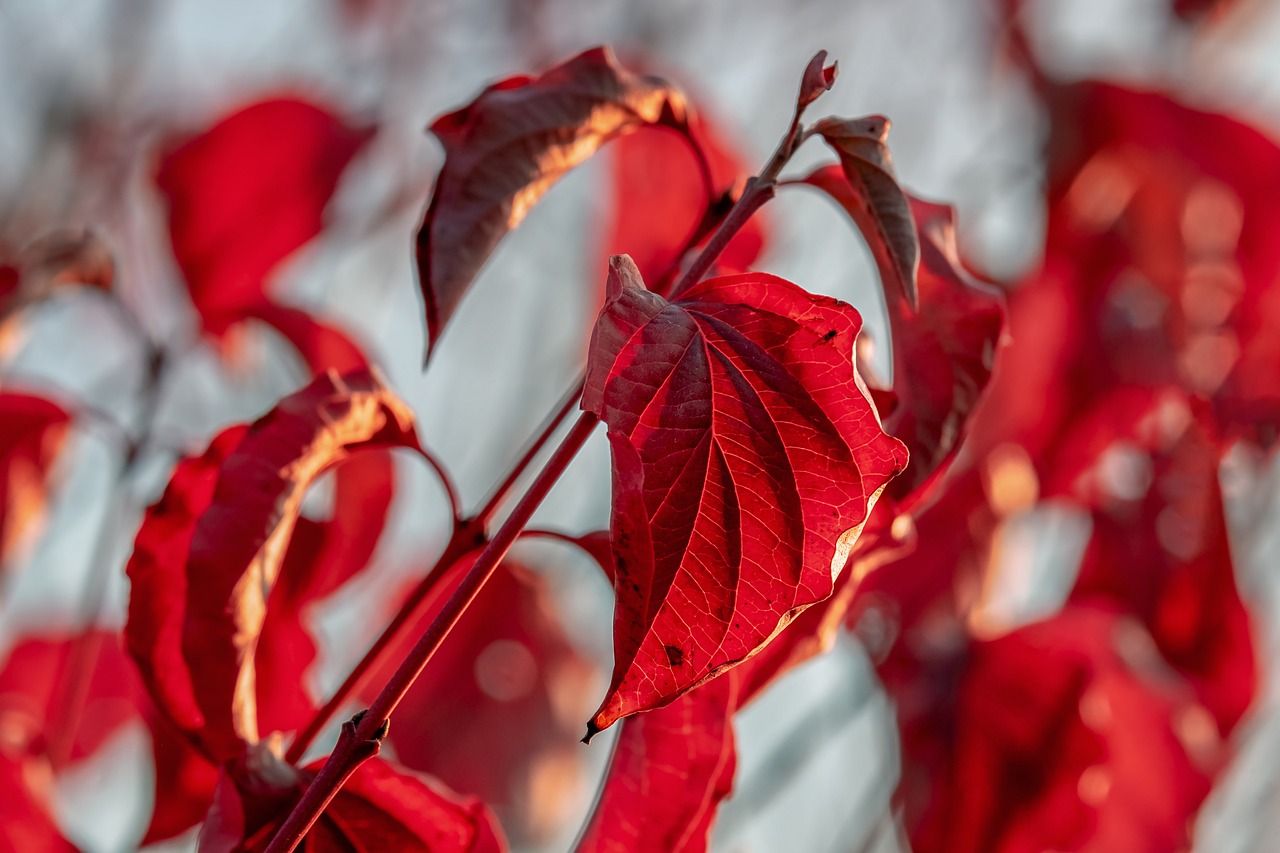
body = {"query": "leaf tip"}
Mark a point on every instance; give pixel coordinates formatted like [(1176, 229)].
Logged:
[(592, 731), (623, 273), (818, 78)]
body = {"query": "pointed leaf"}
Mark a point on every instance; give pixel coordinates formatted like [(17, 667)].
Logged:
[(508, 146), (247, 193), (818, 78), (670, 770), (881, 209), (745, 460)]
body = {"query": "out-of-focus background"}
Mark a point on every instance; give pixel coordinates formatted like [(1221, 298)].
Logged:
[(93, 92)]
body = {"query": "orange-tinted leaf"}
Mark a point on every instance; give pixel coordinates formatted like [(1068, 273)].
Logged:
[(745, 459), (210, 552), (498, 709), (671, 768), (381, 807), (32, 431), (880, 207), (248, 192), (508, 146)]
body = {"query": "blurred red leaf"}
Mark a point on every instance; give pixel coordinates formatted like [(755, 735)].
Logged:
[(877, 204), (321, 346), (157, 572), (496, 713), (1065, 734), (246, 193), (745, 455), (1163, 553), (671, 768), (209, 553), (39, 683), (34, 430), (62, 697), (1158, 271), (25, 821), (659, 200), (381, 807), (185, 780), (508, 146)]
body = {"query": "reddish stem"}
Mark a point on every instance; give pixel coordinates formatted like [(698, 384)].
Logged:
[(500, 493), (351, 752), (466, 537)]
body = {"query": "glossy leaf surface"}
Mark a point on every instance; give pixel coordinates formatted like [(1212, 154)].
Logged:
[(506, 148), (745, 457)]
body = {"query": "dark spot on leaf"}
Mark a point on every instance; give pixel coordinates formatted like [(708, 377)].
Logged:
[(829, 335), (675, 655)]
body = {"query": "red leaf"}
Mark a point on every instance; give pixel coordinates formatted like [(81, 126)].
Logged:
[(745, 457), (1062, 735), (496, 712), (322, 347), (32, 435), (508, 146), (671, 768), (202, 568), (1164, 555), (25, 822), (38, 702), (380, 807), (1158, 270), (943, 352), (184, 782), (818, 78), (37, 686), (880, 207), (322, 555), (659, 199), (157, 573), (247, 193)]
